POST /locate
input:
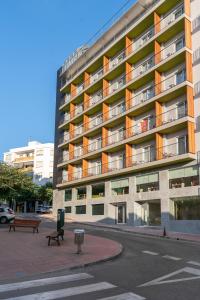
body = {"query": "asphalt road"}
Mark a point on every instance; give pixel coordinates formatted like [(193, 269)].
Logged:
[(149, 268)]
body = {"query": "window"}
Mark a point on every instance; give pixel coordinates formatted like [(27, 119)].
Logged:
[(68, 209), (68, 195), (81, 193), (148, 154), (181, 110), (180, 76), (98, 209), (98, 190), (178, 12), (147, 182), (187, 209), (179, 44), (81, 209), (184, 177), (120, 187), (181, 144)]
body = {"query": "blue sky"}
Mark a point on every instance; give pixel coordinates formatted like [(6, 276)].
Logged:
[(36, 37)]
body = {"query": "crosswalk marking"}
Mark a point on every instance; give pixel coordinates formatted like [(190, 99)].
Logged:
[(172, 257), (150, 252), (125, 296), (66, 292), (42, 282), (195, 263)]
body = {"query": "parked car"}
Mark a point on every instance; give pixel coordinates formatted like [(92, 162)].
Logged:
[(6, 215), (44, 210)]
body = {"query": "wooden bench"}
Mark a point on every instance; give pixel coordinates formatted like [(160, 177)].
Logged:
[(55, 236), (25, 223)]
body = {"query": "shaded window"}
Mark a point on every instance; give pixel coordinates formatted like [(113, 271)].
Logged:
[(147, 182), (98, 209), (81, 209), (68, 209), (187, 209), (98, 190), (81, 193), (68, 195), (120, 187)]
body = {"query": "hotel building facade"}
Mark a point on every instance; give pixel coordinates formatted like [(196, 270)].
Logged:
[(127, 130)]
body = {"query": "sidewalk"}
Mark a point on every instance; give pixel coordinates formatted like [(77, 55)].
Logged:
[(146, 230), (24, 253)]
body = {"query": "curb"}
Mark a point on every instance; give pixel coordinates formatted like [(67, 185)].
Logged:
[(110, 258), (180, 238)]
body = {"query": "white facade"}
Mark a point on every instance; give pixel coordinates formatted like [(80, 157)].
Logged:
[(36, 160)]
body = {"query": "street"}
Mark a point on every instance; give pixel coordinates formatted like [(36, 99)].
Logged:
[(149, 268)]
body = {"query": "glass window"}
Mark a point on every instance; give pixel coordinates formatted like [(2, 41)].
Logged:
[(68, 209), (98, 190), (81, 209), (180, 76), (147, 182), (98, 209), (184, 177), (180, 44), (181, 145), (187, 209), (68, 195), (120, 187), (81, 193)]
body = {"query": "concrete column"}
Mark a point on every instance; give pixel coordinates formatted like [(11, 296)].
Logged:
[(58, 200), (88, 192), (74, 194), (165, 201), (107, 190)]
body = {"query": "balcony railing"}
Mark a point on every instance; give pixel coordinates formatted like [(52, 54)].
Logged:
[(143, 126), (145, 66), (145, 156), (139, 43), (64, 138)]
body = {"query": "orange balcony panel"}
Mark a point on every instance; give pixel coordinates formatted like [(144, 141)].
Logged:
[(190, 101), (128, 72), (85, 145), (128, 98), (188, 34), (72, 110), (157, 49), (158, 84), (128, 155), (104, 162), (105, 111), (191, 137), (159, 110), (128, 46), (104, 137), (71, 151), (159, 146), (86, 122), (85, 168), (156, 23), (86, 100), (70, 172), (86, 79), (71, 130), (187, 7), (188, 61), (105, 88), (105, 64), (73, 90), (128, 122)]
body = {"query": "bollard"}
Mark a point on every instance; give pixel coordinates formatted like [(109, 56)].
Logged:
[(79, 239)]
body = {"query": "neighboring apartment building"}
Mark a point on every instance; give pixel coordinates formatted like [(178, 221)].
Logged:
[(128, 121), (35, 159)]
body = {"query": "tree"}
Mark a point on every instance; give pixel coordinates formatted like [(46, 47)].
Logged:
[(15, 185), (45, 193)]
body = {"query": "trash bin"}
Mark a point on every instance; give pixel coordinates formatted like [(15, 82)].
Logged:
[(79, 239), (60, 218)]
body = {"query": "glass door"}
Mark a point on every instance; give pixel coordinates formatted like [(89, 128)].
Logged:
[(121, 214)]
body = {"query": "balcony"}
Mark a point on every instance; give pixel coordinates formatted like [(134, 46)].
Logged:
[(114, 61), (138, 160), (136, 45), (24, 159), (64, 138), (141, 69)]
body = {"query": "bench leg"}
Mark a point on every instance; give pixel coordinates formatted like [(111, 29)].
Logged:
[(49, 239), (9, 228), (58, 242), (37, 230)]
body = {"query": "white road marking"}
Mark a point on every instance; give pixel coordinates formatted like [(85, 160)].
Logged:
[(195, 263), (126, 296), (172, 257), (161, 280), (42, 282), (66, 292), (150, 252)]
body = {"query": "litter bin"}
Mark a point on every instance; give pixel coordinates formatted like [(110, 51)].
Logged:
[(60, 219), (79, 239)]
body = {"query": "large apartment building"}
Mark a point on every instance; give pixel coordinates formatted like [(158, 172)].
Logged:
[(35, 160), (128, 121)]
